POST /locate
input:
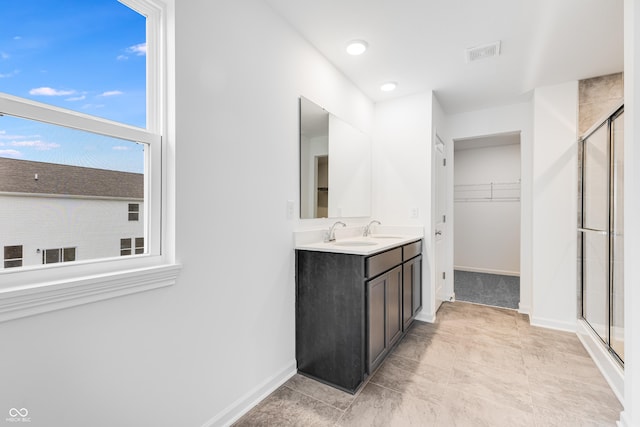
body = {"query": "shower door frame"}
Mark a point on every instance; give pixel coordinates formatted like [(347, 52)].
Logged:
[(611, 193)]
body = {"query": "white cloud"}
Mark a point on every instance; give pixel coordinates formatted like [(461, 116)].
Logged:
[(4, 55), (47, 91), (37, 144), (76, 98), (9, 74), (111, 93), (17, 38), (5, 136), (10, 153), (120, 148), (138, 49), (122, 57)]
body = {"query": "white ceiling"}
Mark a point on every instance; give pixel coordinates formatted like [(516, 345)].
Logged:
[(421, 44)]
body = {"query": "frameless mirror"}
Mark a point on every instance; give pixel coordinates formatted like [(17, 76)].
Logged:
[(335, 166)]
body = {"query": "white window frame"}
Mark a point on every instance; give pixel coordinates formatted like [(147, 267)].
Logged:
[(32, 290)]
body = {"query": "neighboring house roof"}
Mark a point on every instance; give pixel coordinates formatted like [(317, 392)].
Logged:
[(19, 176)]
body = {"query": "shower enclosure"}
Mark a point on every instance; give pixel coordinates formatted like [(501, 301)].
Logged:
[(601, 232)]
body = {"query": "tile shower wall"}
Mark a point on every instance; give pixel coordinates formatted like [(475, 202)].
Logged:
[(596, 97)]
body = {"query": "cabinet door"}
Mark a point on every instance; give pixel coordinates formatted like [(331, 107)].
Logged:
[(416, 266), (376, 295), (394, 305), (407, 295)]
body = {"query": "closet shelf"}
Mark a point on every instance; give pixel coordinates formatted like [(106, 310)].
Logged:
[(487, 192)]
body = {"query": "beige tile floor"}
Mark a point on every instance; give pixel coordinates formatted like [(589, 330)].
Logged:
[(476, 366)]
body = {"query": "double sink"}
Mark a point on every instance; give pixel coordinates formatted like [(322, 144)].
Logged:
[(369, 245), (365, 241)]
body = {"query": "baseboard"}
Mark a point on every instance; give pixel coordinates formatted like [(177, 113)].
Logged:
[(610, 370), (553, 324), (524, 309), (423, 317), (244, 404), (486, 270), (625, 421), (448, 297)]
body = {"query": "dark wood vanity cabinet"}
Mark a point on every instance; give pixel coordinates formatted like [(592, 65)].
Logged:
[(384, 306), (411, 282), (351, 310)]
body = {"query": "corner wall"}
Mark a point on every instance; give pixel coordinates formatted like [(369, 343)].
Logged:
[(555, 193), (402, 178)]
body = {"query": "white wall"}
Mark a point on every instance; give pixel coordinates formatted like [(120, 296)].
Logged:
[(499, 120), (487, 232), (554, 250), (93, 226), (222, 336), (402, 173), (631, 415)]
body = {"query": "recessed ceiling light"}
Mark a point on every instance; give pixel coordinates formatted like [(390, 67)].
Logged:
[(388, 86), (357, 47)]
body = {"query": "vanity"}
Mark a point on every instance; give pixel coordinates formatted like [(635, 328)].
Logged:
[(355, 299)]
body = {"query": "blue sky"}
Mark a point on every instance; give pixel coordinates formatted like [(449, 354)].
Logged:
[(84, 55)]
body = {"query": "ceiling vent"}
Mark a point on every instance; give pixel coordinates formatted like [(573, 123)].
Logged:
[(482, 52)]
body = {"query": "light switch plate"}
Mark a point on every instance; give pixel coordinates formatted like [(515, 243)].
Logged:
[(290, 209)]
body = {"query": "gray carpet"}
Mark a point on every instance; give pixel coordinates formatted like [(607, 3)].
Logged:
[(487, 289)]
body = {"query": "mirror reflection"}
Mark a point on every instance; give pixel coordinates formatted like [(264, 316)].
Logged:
[(335, 166)]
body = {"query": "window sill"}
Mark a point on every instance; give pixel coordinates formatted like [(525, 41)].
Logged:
[(28, 301)]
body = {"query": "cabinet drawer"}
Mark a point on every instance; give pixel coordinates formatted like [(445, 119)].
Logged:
[(411, 250), (382, 262)]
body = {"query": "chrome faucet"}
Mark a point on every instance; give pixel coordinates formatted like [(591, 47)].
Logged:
[(330, 236), (367, 228)]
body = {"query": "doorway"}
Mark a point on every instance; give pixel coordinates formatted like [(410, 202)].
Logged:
[(486, 220)]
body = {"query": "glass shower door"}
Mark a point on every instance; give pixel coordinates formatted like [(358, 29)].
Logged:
[(595, 231), (602, 232)]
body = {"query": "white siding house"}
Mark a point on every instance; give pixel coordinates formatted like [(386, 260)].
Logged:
[(58, 213)]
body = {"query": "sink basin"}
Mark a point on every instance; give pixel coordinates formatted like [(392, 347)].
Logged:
[(384, 236), (355, 243)]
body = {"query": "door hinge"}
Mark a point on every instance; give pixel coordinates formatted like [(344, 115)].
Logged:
[(444, 162), (444, 275), (444, 218)]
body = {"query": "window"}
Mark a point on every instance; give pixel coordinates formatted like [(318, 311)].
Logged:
[(134, 211), (126, 249), (139, 245), (13, 256), (52, 256), (84, 145)]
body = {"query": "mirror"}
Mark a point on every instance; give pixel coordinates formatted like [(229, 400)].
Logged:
[(335, 166)]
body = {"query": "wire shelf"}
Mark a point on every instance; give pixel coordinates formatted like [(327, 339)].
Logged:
[(492, 191)]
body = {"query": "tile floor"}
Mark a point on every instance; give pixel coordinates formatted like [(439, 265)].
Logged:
[(477, 366)]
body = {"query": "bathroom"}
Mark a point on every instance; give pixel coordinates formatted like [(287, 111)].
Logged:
[(202, 351)]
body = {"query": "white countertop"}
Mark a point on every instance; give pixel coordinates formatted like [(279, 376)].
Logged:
[(361, 245)]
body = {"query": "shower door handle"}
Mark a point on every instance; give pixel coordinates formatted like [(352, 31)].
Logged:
[(603, 232)]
